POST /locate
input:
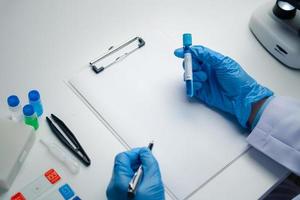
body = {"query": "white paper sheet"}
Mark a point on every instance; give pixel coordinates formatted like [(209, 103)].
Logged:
[(143, 98)]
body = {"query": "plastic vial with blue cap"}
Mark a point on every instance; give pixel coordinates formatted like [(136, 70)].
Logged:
[(30, 117), (14, 107), (188, 68), (35, 100)]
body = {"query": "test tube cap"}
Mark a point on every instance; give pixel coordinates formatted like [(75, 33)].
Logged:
[(28, 110), (187, 39), (13, 101), (33, 95)]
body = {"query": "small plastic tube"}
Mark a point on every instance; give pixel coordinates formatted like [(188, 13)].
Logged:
[(14, 107), (62, 156), (35, 100), (30, 117), (188, 68)]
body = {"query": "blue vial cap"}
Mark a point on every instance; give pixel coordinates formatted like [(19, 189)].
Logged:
[(13, 101), (187, 39), (66, 191), (28, 110), (33, 95)]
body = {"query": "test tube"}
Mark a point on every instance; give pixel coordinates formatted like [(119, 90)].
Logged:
[(30, 117), (35, 100), (188, 68), (14, 107)]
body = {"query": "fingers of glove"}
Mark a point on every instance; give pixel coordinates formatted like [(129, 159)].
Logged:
[(125, 165), (206, 55), (201, 53), (197, 86), (147, 158), (149, 163), (153, 190), (117, 188), (195, 64), (201, 92), (179, 53), (198, 79), (211, 97), (199, 76), (127, 162), (151, 186)]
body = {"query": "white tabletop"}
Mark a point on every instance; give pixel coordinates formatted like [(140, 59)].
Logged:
[(43, 43)]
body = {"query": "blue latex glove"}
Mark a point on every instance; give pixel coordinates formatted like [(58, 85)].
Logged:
[(221, 82), (149, 188)]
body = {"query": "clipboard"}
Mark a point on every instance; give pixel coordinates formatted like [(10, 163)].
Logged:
[(143, 98), (116, 54)]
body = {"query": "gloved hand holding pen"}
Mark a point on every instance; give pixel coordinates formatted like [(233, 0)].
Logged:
[(221, 82), (126, 164)]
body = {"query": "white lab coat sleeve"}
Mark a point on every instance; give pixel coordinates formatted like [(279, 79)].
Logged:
[(277, 133), (297, 197)]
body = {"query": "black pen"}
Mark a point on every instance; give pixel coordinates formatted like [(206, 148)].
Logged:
[(136, 177)]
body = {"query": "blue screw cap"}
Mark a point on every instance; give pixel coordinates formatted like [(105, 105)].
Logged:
[(28, 110), (187, 39), (66, 191), (33, 95), (13, 101)]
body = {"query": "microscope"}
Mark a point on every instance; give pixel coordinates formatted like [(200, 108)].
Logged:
[(277, 28)]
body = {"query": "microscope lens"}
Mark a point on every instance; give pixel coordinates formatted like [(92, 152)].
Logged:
[(284, 10)]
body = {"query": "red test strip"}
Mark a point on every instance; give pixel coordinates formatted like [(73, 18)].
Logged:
[(18, 196), (52, 176)]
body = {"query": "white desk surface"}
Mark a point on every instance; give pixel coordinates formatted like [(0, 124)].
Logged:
[(45, 42)]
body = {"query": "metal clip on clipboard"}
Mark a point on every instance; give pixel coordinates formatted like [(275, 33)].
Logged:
[(124, 50)]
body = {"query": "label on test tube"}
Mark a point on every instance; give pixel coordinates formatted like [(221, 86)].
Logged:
[(188, 73)]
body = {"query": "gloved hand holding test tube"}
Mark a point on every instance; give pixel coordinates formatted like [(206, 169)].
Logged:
[(187, 64)]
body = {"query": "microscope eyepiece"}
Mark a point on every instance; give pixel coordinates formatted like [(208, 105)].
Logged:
[(284, 10)]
